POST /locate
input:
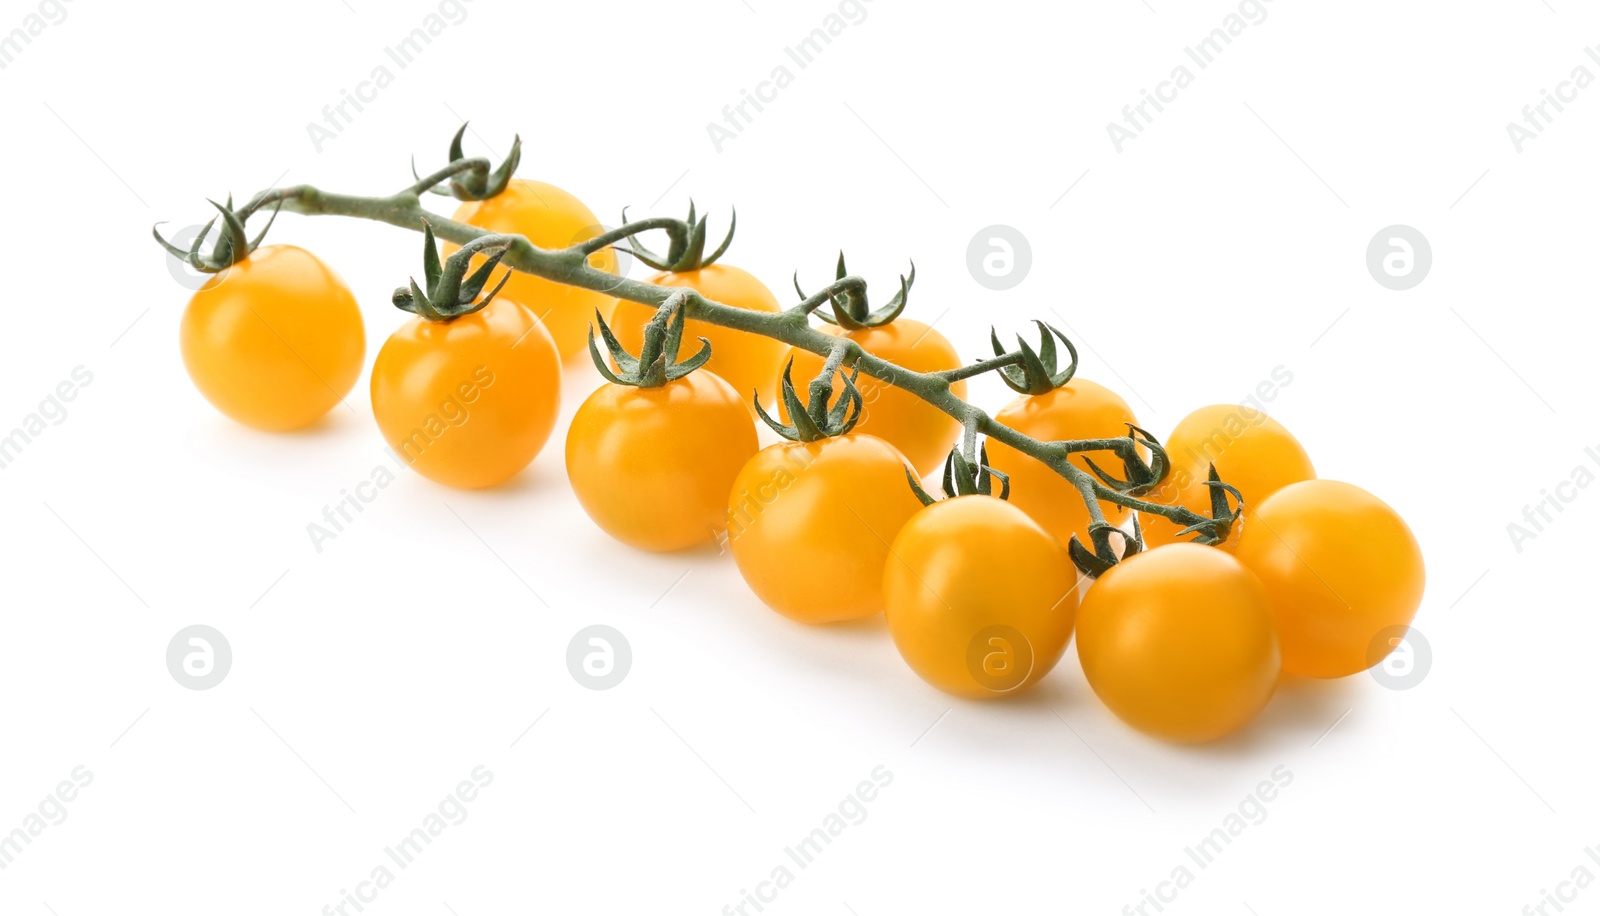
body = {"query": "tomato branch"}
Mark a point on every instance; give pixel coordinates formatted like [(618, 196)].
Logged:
[(570, 266)]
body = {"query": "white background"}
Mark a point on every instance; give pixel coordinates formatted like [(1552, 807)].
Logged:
[(370, 678)]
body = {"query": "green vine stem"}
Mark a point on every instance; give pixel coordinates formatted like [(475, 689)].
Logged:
[(570, 266)]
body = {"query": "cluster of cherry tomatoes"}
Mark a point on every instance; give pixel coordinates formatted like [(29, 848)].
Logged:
[(1181, 640)]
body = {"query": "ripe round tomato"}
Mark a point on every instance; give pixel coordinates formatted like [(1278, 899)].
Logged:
[(1180, 642), (748, 362), (922, 432), (653, 466), (810, 524), (979, 598), (468, 402), (1080, 409), (275, 340), (550, 218), (1341, 568), (1251, 451)]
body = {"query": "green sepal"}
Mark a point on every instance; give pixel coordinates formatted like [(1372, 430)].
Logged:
[(916, 487), (1141, 476), (449, 292), (1038, 373), (966, 478), (1094, 563), (1216, 529), (686, 244), (478, 183), (657, 362), (432, 267), (1223, 517), (849, 308), (825, 417), (963, 477), (233, 244)]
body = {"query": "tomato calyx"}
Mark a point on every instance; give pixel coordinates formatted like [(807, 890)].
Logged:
[(1142, 476), (686, 243), (824, 417), (965, 477), (450, 292), (1216, 529), (471, 178), (849, 301), (1096, 562), (233, 244), (1036, 372), (657, 362)]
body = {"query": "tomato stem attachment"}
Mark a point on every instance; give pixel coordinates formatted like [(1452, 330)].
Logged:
[(469, 179), (1094, 563), (850, 310), (964, 477), (1142, 476), (1035, 371), (1216, 529), (450, 293), (686, 242), (817, 419), (657, 362), (233, 244)]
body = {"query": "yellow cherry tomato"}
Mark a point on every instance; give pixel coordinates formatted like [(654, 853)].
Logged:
[(1180, 642), (979, 598), (810, 524), (922, 432), (748, 362), (1080, 409), (1344, 572), (1252, 452), (653, 466), (275, 341), (550, 218), (470, 401)]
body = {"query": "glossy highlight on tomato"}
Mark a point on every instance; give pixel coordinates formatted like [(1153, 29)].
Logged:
[(922, 432), (980, 599), (1180, 642), (748, 362), (274, 341), (810, 524), (550, 218), (468, 402), (653, 465), (1342, 569)]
